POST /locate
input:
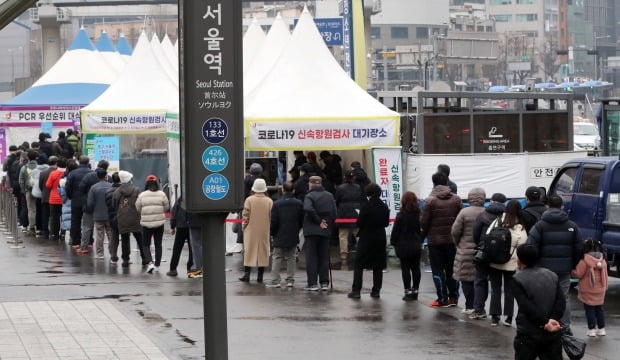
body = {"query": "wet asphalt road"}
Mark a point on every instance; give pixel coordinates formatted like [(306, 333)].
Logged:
[(274, 323)]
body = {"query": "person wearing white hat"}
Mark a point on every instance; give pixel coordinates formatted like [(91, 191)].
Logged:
[(256, 230)]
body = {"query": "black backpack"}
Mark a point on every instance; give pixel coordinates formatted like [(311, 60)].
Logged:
[(497, 243)]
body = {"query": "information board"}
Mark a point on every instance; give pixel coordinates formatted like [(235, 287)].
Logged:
[(211, 124)]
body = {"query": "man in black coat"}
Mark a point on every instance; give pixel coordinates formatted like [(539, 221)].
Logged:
[(481, 281), (332, 169), (72, 189), (541, 304), (301, 185), (445, 169), (560, 246), (320, 212), (287, 218), (348, 205), (534, 208)]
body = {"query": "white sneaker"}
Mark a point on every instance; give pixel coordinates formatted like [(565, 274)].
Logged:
[(601, 332), (156, 269), (591, 333), (467, 311), (150, 268)]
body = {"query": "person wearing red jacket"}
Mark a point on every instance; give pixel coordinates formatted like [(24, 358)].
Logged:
[(52, 184)]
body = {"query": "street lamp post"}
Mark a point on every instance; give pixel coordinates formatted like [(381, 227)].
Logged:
[(12, 71), (596, 57)]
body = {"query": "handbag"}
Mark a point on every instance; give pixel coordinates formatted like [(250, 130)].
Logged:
[(575, 348)]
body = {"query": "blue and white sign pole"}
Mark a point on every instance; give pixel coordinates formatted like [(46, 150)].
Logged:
[(211, 136)]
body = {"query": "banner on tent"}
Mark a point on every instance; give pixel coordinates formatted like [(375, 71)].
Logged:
[(33, 116), (124, 122), (172, 125), (301, 134), (388, 174)]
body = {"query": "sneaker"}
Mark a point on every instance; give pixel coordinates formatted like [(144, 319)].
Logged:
[(324, 287), (311, 288), (354, 295), (156, 269), (31, 232), (273, 285), (150, 268), (478, 315), (100, 257), (172, 273), (453, 302), (375, 294), (591, 333), (195, 274), (507, 321), (494, 320), (76, 246), (467, 311), (438, 303), (290, 284), (601, 332), (113, 262), (82, 251)]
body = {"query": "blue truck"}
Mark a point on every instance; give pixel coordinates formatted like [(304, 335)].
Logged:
[(590, 189)]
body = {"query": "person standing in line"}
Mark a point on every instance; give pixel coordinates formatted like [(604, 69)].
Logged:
[(463, 237), (179, 227), (445, 169), (75, 143), (37, 192), (256, 225), (320, 212), (332, 169), (287, 218), (373, 219), (438, 215), (407, 241), (115, 237), (45, 196), (77, 201), (592, 274), (348, 205), (52, 183), (89, 180), (511, 219), (195, 241), (301, 185), (560, 246), (97, 206), (65, 215), (26, 183), (534, 207), (481, 281), (541, 305), (152, 205), (128, 217)]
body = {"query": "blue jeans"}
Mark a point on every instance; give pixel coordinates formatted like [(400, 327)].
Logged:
[(195, 240), (595, 316)]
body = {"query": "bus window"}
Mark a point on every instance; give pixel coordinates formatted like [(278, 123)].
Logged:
[(565, 183), (590, 181)]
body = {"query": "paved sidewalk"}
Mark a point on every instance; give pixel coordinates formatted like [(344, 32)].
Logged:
[(91, 329)]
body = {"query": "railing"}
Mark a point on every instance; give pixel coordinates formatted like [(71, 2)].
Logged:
[(8, 218)]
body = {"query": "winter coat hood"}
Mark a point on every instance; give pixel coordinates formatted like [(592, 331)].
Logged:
[(496, 208), (476, 197), (441, 192), (554, 216)]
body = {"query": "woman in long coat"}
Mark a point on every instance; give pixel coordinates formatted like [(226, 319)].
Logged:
[(464, 269), (374, 217), (256, 225)]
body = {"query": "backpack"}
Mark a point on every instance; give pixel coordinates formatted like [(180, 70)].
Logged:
[(30, 178), (496, 243)]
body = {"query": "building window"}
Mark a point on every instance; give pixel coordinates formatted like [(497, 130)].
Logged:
[(501, 2), (400, 32), (421, 33), (531, 34), (489, 29), (501, 18), (526, 17), (375, 32)]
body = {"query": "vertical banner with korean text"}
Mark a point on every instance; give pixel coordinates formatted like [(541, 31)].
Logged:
[(108, 148), (387, 169)]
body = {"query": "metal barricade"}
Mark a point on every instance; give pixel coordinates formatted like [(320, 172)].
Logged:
[(8, 218)]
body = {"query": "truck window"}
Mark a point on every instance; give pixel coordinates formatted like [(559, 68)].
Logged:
[(566, 182), (590, 181)]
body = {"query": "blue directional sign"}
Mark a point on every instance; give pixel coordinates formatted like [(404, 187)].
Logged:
[(215, 158), (215, 186), (215, 131), (331, 30)]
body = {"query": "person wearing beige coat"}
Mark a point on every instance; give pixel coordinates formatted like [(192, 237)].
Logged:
[(256, 227), (152, 205), (464, 269)]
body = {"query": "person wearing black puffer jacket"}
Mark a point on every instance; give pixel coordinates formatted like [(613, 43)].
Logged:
[(348, 204), (481, 282), (560, 246), (534, 208), (407, 241)]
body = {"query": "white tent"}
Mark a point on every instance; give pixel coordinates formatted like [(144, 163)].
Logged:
[(109, 53), (171, 53), (308, 102), (163, 60), (276, 41), (138, 101), (252, 41)]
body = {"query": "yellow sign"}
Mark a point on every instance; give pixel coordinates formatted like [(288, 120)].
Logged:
[(389, 54)]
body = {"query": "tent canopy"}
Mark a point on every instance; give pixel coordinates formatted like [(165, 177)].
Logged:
[(308, 102)]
